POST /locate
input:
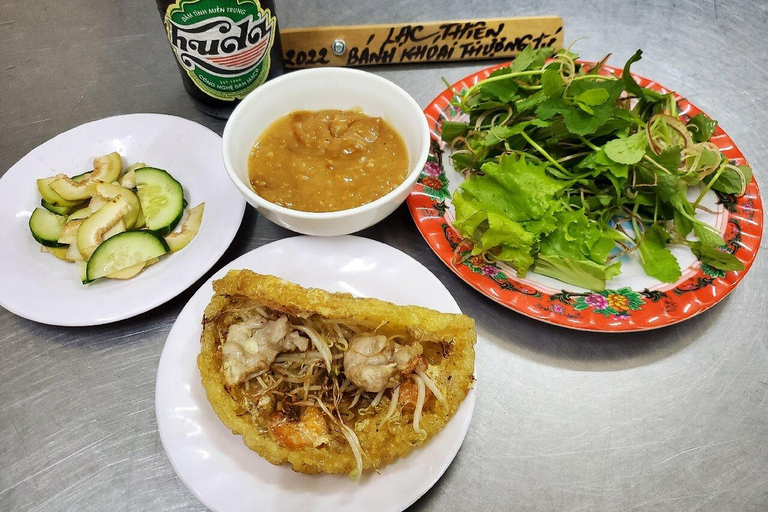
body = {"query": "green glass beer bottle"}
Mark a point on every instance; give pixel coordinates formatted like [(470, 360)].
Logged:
[(224, 48)]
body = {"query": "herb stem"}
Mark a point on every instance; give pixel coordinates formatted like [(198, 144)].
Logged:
[(716, 176), (602, 77), (472, 89), (588, 143), (655, 163), (544, 153)]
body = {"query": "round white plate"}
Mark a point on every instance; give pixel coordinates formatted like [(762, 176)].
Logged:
[(42, 288), (215, 464)]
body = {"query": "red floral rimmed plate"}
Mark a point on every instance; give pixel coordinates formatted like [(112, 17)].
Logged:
[(631, 302)]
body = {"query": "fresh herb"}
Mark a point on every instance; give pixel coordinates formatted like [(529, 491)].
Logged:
[(569, 169)]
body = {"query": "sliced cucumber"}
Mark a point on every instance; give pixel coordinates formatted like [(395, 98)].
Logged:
[(107, 168), (161, 197), (68, 234), (58, 210), (189, 228), (82, 213), (97, 201), (82, 268), (128, 179), (93, 229), (46, 227), (82, 177), (133, 167), (141, 222), (109, 191), (70, 189), (73, 253), (115, 230), (51, 197), (59, 252), (123, 251), (128, 272)]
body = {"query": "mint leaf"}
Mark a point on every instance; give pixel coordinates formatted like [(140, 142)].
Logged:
[(701, 127), (717, 258), (499, 133), (707, 235), (733, 181), (593, 97), (530, 102), (657, 260), (530, 59), (629, 82), (711, 249), (552, 83), (633, 87), (449, 130), (629, 150), (683, 225), (504, 91), (580, 118)]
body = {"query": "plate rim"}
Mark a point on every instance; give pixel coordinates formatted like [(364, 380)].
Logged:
[(206, 288), (419, 200), (149, 305)]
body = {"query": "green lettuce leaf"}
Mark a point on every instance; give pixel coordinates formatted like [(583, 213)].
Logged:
[(494, 233), (578, 246), (530, 191), (586, 274)]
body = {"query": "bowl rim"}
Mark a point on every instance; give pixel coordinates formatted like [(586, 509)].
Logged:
[(247, 103)]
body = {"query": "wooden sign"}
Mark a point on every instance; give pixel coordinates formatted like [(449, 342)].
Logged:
[(439, 41)]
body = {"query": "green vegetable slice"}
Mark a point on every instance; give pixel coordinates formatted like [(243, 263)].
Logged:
[(123, 251), (46, 227), (161, 197)]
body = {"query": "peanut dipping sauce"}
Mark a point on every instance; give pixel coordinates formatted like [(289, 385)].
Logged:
[(327, 160)]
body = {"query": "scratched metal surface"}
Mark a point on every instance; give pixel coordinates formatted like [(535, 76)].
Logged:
[(667, 420)]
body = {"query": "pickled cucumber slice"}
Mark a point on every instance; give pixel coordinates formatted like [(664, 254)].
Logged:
[(46, 227), (123, 251), (161, 197), (94, 228), (189, 228)]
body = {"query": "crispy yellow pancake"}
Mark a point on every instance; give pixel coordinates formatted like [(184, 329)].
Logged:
[(448, 339)]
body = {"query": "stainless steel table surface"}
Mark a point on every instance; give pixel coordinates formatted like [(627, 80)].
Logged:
[(668, 420)]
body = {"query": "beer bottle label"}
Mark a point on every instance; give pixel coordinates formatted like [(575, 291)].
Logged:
[(223, 45)]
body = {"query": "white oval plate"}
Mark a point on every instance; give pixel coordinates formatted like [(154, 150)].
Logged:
[(215, 464), (42, 288)]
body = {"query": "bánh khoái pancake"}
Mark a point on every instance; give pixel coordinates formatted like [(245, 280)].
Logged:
[(327, 382)]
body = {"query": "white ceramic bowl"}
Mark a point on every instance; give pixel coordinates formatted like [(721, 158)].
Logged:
[(317, 89)]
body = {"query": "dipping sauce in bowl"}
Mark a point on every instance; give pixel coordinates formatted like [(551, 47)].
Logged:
[(327, 160)]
